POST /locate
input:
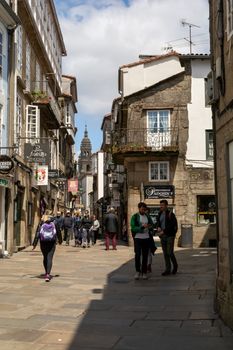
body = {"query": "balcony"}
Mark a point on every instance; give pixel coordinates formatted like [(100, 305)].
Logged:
[(140, 141), (49, 108)]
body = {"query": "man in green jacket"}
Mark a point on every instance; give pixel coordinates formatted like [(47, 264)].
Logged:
[(141, 223)]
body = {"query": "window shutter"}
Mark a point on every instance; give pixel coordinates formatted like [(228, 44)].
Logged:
[(32, 122), (107, 138)]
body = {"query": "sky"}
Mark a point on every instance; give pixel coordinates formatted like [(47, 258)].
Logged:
[(102, 35)]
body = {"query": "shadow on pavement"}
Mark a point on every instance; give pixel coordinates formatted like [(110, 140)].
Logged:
[(162, 312)]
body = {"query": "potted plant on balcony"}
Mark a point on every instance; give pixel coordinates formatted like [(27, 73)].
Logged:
[(39, 96)]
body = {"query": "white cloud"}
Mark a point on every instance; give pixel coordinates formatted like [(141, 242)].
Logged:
[(102, 35)]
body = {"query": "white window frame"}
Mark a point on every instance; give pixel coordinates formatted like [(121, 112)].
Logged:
[(159, 163), (68, 114), (159, 135), (18, 122), (32, 123), (19, 50), (229, 18), (209, 144)]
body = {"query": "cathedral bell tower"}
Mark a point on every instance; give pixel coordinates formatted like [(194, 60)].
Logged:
[(84, 161)]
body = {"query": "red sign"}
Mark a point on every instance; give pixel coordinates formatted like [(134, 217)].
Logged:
[(72, 185)]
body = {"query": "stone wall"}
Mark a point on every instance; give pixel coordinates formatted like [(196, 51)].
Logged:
[(172, 94)]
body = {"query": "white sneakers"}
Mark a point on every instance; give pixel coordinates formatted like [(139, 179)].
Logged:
[(137, 276)]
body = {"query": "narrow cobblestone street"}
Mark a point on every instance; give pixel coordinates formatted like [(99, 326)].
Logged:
[(93, 302)]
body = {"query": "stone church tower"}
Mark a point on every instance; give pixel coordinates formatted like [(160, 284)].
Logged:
[(85, 176), (84, 162)]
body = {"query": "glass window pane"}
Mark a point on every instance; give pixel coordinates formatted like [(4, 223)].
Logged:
[(163, 171)]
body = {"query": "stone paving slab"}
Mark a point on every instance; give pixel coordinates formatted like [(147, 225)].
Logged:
[(166, 343), (93, 302)]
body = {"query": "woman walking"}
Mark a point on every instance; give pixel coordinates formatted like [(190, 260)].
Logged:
[(47, 233)]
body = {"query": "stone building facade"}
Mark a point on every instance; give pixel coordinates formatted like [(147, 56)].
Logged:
[(151, 137), (36, 115), (220, 93)]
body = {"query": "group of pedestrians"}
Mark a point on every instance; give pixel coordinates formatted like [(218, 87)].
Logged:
[(85, 230), (49, 233)]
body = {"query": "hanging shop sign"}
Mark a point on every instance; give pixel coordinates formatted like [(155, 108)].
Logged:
[(53, 173), (37, 153), (159, 192), (73, 185), (40, 175), (6, 164)]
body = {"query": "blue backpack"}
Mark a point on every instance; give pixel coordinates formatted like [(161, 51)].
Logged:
[(48, 232)]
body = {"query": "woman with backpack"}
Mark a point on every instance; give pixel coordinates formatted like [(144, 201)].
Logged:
[(48, 233)]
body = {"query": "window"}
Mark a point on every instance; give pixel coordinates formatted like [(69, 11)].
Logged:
[(18, 122), (209, 144), (68, 116), (38, 74), (230, 186), (158, 121), (32, 122), (19, 50), (158, 125), (1, 54), (28, 65), (206, 210), (229, 18), (158, 171)]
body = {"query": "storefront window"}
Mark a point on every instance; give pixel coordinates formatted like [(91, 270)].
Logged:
[(206, 210)]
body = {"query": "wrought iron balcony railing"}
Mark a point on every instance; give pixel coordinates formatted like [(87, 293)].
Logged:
[(129, 140)]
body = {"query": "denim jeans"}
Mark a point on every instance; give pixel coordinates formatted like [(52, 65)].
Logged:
[(167, 243), (68, 235), (141, 249)]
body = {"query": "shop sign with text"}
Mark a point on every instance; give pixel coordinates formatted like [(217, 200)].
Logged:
[(6, 164), (37, 153), (159, 192)]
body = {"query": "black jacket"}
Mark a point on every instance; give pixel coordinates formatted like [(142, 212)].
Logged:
[(171, 225), (111, 223), (86, 222)]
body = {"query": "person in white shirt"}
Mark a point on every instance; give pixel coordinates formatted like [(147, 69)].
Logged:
[(95, 229)]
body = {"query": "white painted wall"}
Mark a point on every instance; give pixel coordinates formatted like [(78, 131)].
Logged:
[(87, 184), (200, 116), (144, 75), (100, 173)]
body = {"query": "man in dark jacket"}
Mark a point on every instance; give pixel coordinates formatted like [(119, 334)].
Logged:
[(166, 229), (68, 225), (59, 220), (86, 224), (111, 228)]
